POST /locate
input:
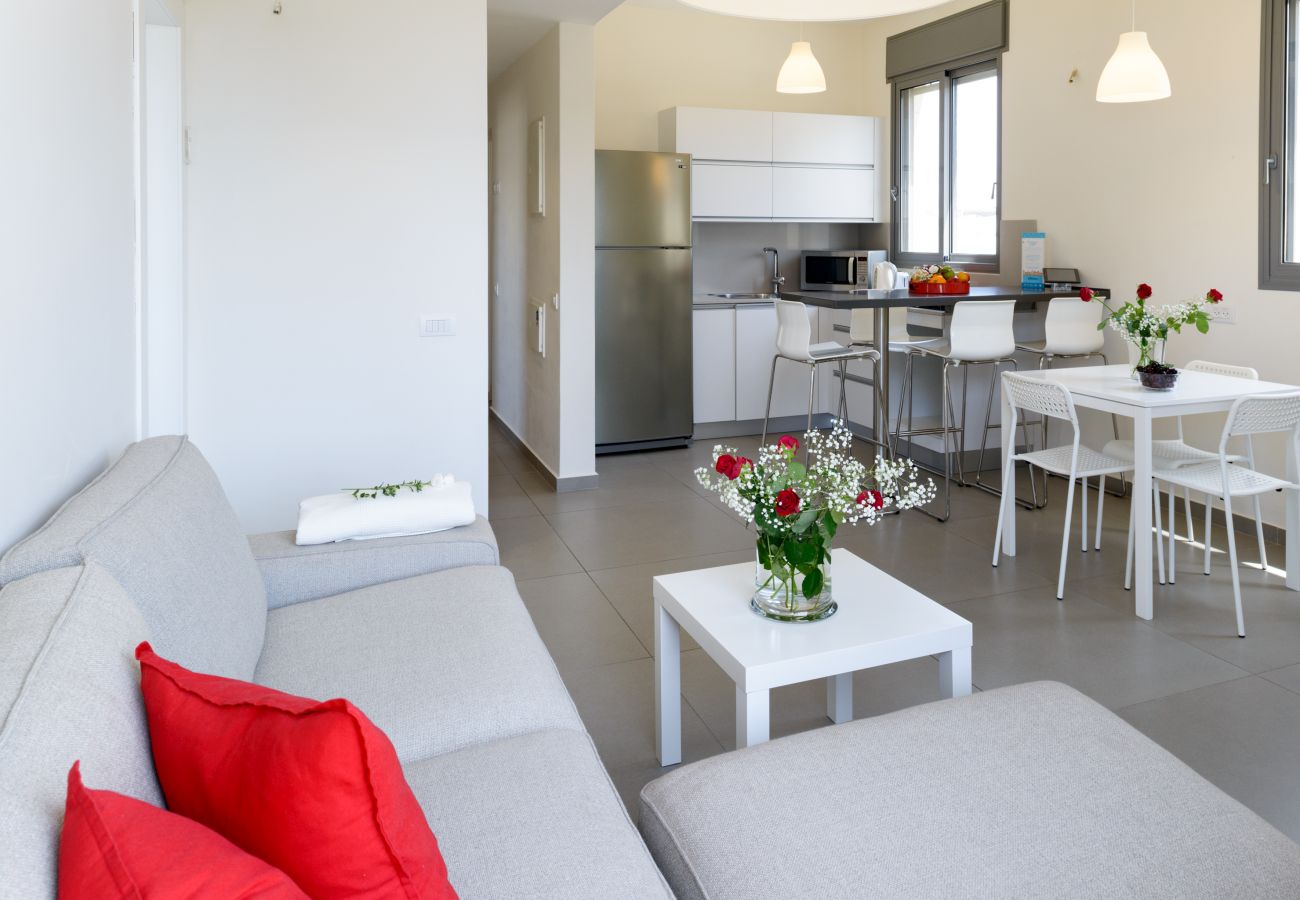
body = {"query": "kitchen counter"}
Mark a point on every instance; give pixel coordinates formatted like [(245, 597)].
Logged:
[(902, 297), (710, 301)]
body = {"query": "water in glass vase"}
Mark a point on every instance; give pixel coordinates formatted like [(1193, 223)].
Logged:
[(779, 592)]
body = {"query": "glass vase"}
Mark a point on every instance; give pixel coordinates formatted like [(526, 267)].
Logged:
[(780, 591)]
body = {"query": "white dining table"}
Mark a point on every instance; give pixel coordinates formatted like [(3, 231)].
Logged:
[(1112, 389)]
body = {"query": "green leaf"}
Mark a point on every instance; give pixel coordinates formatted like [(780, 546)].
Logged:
[(795, 472), (812, 584), (829, 527), (1101, 326), (1202, 323), (801, 553)]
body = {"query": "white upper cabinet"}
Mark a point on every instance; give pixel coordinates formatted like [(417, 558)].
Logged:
[(823, 140), (823, 193), (728, 134), (775, 165)]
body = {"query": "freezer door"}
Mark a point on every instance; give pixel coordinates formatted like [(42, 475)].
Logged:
[(643, 199), (643, 345)]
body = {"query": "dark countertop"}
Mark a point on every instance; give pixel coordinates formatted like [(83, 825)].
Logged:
[(902, 297)]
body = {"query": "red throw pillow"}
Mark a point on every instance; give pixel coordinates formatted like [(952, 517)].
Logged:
[(313, 788), (115, 846)]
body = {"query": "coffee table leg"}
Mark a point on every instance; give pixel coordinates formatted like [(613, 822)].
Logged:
[(954, 673), (839, 698), (751, 717), (668, 688)]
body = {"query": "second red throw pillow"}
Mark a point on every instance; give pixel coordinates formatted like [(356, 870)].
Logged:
[(313, 788)]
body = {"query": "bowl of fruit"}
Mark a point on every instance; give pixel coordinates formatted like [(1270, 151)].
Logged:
[(938, 280)]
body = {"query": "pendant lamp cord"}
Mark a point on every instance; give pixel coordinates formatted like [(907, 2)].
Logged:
[(1135, 16)]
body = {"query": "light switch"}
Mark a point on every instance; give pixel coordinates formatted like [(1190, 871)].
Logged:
[(437, 326)]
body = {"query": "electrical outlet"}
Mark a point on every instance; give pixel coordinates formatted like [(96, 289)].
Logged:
[(437, 326), (555, 301), (1223, 313)]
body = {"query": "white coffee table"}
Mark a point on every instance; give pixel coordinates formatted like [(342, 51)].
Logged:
[(880, 621)]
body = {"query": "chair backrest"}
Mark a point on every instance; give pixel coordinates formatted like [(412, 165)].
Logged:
[(793, 332), (1264, 414), (982, 330), (1047, 398), (1071, 326), (1213, 368)]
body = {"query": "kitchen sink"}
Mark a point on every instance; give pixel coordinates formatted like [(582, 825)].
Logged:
[(747, 296)]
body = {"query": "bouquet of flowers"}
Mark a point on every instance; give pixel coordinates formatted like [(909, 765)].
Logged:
[(796, 508), (1148, 328)]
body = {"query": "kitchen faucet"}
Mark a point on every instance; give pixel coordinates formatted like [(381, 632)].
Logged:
[(777, 278)]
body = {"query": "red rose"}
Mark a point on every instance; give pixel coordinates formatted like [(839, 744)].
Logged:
[(789, 443), (1085, 294), (1144, 291), (873, 499), (787, 503), (1214, 296), (741, 462), (726, 465)]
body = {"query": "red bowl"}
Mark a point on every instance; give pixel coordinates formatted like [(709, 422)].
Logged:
[(948, 287)]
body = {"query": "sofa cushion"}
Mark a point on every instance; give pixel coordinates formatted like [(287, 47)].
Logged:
[(159, 522), (114, 846), (294, 574), (315, 789), (69, 690), (533, 816), (1026, 791), (438, 662)]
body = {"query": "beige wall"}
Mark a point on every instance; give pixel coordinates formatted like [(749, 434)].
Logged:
[(648, 59), (547, 401)]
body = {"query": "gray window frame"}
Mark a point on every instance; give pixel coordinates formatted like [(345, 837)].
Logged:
[(945, 75), (1276, 133)]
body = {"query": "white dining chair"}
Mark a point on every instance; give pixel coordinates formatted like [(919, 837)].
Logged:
[(794, 343), (1224, 479), (1176, 453), (1072, 461)]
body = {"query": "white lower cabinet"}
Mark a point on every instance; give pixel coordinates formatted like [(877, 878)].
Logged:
[(755, 347), (713, 343)]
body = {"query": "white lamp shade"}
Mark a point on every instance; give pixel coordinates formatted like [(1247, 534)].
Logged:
[(1134, 73), (812, 10), (801, 73)]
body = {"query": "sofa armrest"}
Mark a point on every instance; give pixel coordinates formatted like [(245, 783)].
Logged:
[(295, 574)]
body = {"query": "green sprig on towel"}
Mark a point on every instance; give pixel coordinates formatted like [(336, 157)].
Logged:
[(388, 490)]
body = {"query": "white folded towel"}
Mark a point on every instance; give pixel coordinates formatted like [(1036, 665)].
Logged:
[(445, 504)]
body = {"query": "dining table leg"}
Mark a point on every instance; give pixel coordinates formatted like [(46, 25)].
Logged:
[(1292, 518), (1008, 498), (1142, 590), (880, 326)]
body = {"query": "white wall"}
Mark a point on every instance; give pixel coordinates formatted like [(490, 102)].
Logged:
[(67, 345), (1162, 192), (648, 59), (336, 193), (547, 401)]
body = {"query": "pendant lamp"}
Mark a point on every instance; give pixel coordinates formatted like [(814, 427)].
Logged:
[(1134, 74), (801, 73)]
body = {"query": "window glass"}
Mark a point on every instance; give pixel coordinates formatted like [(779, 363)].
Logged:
[(1292, 233), (921, 172), (974, 213)]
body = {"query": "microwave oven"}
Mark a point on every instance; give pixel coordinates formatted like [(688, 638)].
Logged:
[(838, 270)]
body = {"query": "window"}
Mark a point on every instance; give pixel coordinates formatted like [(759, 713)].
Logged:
[(1279, 228), (947, 134), (947, 158)]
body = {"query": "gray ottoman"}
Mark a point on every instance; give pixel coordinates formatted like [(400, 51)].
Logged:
[(1027, 791)]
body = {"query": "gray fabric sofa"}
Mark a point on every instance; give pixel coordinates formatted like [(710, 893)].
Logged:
[(427, 635), (1028, 791)]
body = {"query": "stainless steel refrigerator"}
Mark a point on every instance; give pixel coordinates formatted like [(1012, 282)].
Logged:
[(643, 300)]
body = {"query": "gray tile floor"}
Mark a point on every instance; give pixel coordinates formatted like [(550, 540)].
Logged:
[(1230, 708)]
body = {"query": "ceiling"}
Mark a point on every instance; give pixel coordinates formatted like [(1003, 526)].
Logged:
[(515, 25)]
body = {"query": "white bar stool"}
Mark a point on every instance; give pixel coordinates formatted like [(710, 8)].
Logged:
[(1072, 461), (1221, 478), (981, 334), (1177, 453), (794, 343)]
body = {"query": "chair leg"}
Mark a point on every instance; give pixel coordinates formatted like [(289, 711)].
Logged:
[(1232, 561), (961, 449), (1187, 509), (1083, 518), (1259, 535), (844, 394), (947, 440), (1160, 532), (812, 404), (904, 399), (1209, 535), (1065, 538), (1101, 507), (1114, 427), (1128, 564), (1008, 471), (1173, 567), (771, 383)]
